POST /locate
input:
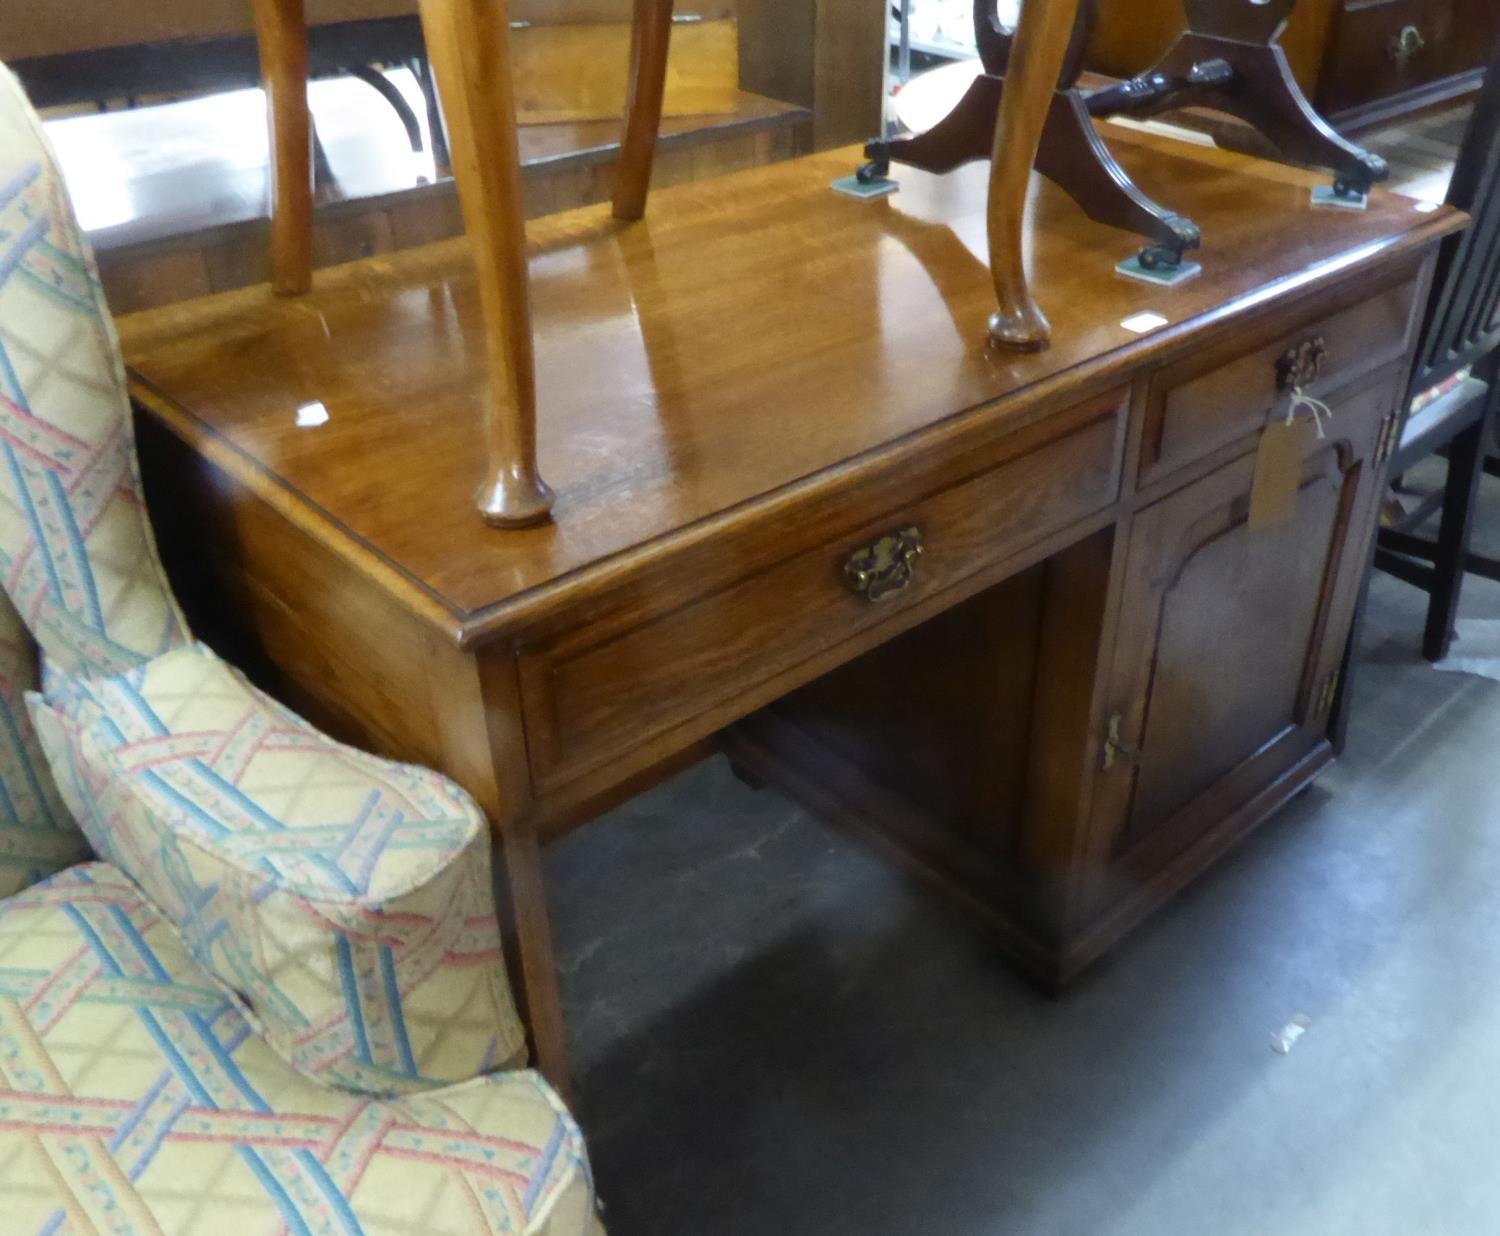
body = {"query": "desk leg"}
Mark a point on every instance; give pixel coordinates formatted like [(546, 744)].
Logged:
[(533, 965), (492, 763)]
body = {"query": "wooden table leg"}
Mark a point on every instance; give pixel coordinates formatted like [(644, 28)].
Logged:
[(468, 43), (530, 935), (486, 743), (281, 30), (650, 36), (1036, 61)]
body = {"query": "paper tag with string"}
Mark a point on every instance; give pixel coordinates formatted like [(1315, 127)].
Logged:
[(1284, 446)]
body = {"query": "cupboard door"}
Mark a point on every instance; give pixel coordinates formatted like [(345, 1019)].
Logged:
[(1228, 639)]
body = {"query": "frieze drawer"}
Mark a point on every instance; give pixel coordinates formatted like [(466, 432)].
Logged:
[(595, 694), (1208, 401)]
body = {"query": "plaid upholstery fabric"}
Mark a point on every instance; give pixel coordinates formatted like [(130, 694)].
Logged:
[(37, 834), (346, 898), (135, 1100), (76, 551)]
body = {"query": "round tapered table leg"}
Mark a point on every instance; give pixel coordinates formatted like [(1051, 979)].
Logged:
[(281, 32), (1036, 60), (468, 43), (650, 37)]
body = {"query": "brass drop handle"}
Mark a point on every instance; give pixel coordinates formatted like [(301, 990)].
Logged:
[(1407, 44), (887, 567), (1301, 365)]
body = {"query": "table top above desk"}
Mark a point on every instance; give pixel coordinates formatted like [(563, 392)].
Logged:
[(757, 337)]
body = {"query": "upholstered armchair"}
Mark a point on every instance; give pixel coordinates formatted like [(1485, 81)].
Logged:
[(250, 979)]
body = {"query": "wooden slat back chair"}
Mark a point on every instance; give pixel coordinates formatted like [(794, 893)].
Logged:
[(1461, 332), (468, 44)]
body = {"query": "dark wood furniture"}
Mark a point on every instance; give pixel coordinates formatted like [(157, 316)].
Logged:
[(1226, 62), (1071, 152), (1362, 62), (1385, 59), (828, 56), (1001, 610), (1461, 333)]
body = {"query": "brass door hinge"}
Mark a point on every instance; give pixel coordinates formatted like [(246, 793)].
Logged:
[(1325, 695), (1390, 435), (1116, 752)]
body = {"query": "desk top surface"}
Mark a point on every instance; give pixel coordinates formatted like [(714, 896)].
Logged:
[(756, 333)]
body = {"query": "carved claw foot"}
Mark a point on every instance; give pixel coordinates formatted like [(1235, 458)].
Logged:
[(1356, 179), (1167, 255), (878, 153)]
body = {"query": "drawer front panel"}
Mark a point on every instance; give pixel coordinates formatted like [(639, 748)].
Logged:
[(1386, 47), (1193, 410), (589, 700)]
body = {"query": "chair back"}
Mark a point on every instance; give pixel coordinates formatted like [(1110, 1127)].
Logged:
[(1463, 314), (77, 555)]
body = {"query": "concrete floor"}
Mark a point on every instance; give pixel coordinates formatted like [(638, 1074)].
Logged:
[(774, 1034)]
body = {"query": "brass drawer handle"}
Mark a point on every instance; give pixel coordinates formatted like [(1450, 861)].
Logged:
[(885, 568), (1407, 44), (1301, 365)]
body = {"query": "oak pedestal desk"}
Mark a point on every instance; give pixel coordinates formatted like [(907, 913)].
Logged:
[(756, 406)]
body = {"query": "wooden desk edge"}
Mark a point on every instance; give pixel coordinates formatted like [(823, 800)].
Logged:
[(305, 516), (472, 628)]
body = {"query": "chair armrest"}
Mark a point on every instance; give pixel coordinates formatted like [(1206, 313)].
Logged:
[(345, 901)]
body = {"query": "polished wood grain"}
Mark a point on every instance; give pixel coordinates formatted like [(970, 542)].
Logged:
[(583, 72), (1342, 52), (746, 389), (1222, 394), (652, 442), (588, 683), (1043, 36), (650, 41), (199, 230), (281, 32), (849, 59), (468, 42)]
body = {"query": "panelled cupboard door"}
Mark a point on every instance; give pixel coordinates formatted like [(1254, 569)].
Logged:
[(1207, 708)]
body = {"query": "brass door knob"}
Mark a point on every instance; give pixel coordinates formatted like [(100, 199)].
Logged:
[(885, 568), (1407, 44)]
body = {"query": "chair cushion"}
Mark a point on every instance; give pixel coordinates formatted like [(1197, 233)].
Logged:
[(346, 899), (76, 550), (135, 1099), (37, 833)]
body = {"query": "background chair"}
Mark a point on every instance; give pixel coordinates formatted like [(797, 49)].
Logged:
[(280, 1004), (1453, 389)]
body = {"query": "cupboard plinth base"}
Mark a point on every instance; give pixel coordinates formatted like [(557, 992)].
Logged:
[(1021, 912)]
